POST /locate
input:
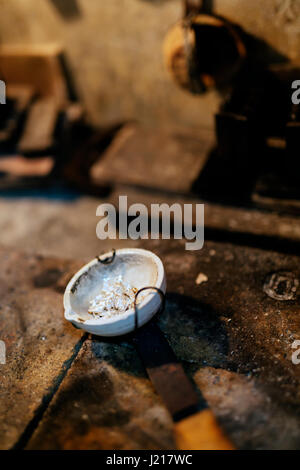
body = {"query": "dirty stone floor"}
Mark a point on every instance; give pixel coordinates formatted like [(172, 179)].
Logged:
[(62, 389)]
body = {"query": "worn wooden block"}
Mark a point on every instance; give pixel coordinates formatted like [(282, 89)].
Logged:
[(39, 343), (38, 134), (21, 166), (234, 338), (37, 66), (21, 94), (18, 99), (160, 160)]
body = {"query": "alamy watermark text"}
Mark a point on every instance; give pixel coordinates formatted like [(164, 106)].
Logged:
[(2, 92), (135, 222), (2, 353)]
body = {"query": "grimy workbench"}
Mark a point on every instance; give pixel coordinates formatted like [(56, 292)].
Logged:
[(63, 389)]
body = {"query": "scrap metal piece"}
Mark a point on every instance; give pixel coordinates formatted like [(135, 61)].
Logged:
[(282, 285), (166, 373)]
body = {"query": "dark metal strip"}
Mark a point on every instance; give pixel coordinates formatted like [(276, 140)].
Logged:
[(166, 373)]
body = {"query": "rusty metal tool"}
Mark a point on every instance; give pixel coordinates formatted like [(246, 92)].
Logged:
[(195, 426)]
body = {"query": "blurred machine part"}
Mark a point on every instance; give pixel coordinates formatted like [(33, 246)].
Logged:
[(44, 136), (256, 158)]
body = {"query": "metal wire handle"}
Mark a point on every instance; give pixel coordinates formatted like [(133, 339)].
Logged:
[(162, 306), (192, 7), (109, 259)]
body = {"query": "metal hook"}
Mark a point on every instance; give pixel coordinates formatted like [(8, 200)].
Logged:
[(194, 7), (162, 307), (109, 259)]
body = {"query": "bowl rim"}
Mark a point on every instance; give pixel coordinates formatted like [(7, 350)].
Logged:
[(72, 315)]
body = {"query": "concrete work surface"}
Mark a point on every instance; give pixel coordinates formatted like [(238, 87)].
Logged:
[(231, 327)]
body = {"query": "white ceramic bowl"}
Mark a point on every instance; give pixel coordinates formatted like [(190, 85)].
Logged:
[(140, 268)]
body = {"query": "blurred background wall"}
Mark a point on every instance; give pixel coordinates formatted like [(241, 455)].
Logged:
[(115, 50)]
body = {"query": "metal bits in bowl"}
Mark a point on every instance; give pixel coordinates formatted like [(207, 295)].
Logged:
[(100, 297)]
